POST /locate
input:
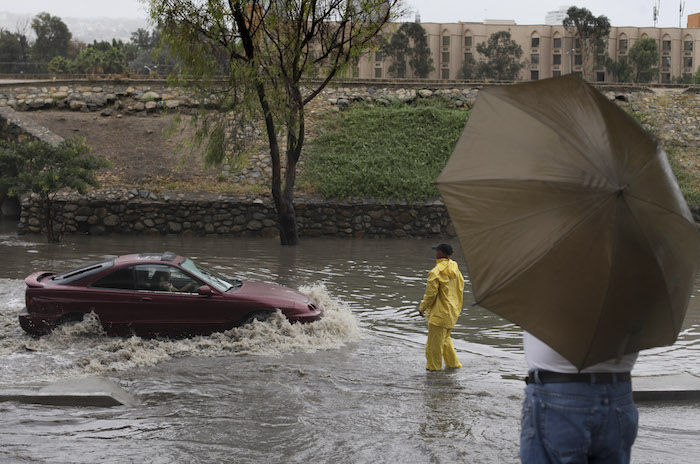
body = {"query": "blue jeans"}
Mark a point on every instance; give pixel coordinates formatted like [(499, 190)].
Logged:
[(578, 423)]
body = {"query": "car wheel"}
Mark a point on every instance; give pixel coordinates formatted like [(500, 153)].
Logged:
[(261, 316)]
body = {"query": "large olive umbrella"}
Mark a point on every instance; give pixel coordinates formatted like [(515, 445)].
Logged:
[(571, 220)]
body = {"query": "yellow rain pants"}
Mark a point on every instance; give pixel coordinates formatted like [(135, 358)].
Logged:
[(440, 346)]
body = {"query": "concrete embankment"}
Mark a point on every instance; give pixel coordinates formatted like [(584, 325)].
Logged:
[(102, 392), (88, 392)]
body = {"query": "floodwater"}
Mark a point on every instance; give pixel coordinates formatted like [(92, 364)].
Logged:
[(351, 388)]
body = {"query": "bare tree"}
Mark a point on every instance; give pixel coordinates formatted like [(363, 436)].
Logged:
[(266, 49)]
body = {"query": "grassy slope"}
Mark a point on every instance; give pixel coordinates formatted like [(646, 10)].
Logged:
[(398, 151), (382, 152)]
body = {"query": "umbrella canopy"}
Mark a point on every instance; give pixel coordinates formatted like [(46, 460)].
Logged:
[(571, 220)]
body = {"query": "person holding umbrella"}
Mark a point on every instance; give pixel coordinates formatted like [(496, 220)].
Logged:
[(441, 305), (574, 228), (572, 415)]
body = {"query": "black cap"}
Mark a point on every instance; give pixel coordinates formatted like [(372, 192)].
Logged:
[(444, 247)]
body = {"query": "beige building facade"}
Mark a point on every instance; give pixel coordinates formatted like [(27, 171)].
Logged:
[(548, 50)]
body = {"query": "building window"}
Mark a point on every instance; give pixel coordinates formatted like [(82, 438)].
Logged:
[(445, 73), (534, 75), (687, 61), (535, 43), (377, 72), (445, 57), (556, 60), (557, 42), (623, 45), (468, 41), (378, 57), (578, 59), (600, 76), (688, 46), (535, 58), (666, 45), (468, 57), (445, 40), (665, 62), (577, 43), (556, 73), (578, 74), (666, 78)]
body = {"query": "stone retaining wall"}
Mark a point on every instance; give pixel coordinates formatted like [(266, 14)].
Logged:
[(114, 99), (16, 127), (144, 212)]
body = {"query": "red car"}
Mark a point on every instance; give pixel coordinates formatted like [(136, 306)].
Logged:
[(156, 295)]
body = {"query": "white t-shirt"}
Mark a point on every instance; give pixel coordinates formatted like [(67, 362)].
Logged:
[(540, 356)]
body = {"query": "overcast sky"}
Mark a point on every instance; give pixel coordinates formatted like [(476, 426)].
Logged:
[(620, 12)]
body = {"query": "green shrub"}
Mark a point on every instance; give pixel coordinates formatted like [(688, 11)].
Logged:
[(390, 152)]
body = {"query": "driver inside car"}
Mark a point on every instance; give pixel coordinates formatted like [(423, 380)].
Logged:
[(163, 283)]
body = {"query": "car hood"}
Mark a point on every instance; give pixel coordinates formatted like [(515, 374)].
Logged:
[(272, 292)]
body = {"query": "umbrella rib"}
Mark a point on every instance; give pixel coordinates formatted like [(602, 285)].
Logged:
[(655, 204)]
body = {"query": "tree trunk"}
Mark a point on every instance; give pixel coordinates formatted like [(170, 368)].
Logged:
[(50, 232), (284, 196), (3, 196), (287, 222)]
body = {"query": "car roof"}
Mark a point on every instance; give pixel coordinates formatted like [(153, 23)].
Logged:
[(165, 257)]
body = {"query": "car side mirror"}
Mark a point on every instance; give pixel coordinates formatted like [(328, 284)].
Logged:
[(205, 290)]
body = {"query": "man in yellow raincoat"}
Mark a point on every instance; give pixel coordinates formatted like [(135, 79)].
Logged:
[(441, 306)]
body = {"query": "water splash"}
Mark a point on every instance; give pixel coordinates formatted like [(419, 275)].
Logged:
[(81, 348)]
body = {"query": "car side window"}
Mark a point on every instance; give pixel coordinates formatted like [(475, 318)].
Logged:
[(163, 278), (119, 279)]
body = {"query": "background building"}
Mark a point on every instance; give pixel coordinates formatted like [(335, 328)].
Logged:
[(548, 50)]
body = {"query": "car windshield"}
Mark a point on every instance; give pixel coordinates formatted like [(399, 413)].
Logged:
[(216, 280)]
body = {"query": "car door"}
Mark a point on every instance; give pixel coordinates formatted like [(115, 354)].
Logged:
[(173, 309), (111, 298)]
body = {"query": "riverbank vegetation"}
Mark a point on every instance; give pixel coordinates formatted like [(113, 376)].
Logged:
[(385, 152), (398, 151)]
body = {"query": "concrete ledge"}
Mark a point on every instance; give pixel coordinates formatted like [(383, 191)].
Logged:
[(679, 387), (97, 392)]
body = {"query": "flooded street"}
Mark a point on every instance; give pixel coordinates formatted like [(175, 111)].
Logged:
[(351, 388)]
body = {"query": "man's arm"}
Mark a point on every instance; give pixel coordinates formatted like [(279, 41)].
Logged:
[(431, 292)]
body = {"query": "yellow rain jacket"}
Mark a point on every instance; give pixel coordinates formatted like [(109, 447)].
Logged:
[(442, 302)]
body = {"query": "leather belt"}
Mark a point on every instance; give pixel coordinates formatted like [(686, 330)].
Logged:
[(594, 377)]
